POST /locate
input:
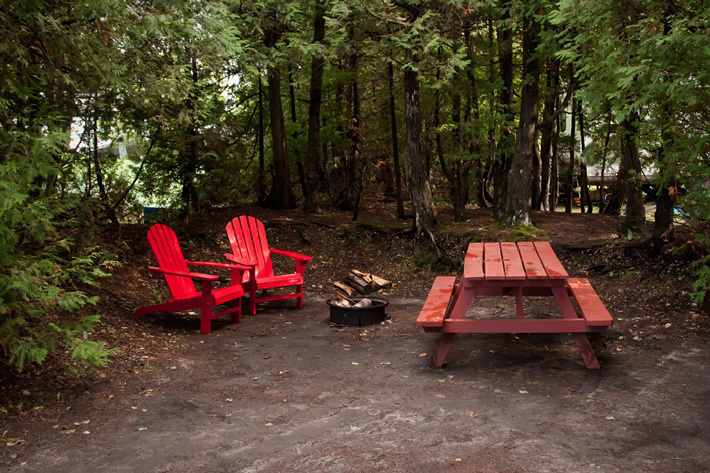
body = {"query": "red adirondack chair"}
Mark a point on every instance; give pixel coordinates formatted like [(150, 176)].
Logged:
[(172, 265), (247, 238)]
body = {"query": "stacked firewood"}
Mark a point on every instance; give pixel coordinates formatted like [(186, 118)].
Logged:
[(358, 283)]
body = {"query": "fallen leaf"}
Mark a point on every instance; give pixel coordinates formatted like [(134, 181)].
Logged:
[(355, 363), (229, 399), (610, 418), (385, 363), (440, 396), (422, 354), (522, 391), (142, 428)]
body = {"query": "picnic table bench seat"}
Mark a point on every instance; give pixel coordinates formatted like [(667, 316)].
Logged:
[(590, 305), (434, 311)]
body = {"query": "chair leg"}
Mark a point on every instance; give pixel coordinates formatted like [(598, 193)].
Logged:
[(237, 315), (205, 318), (299, 299), (252, 302)]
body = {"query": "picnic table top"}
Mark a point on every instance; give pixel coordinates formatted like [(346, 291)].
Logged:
[(512, 261)]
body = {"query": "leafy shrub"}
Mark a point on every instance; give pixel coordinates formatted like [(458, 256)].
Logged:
[(42, 268), (702, 284)]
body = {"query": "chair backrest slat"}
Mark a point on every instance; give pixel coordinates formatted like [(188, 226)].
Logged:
[(247, 237), (164, 242)]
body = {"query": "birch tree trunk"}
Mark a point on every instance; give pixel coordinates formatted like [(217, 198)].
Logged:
[(418, 172)]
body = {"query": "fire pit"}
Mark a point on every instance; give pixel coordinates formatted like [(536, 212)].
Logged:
[(358, 316)]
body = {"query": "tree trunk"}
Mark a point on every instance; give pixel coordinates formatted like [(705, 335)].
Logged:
[(485, 171), (452, 170), (310, 190), (617, 197), (190, 158), (535, 179), (419, 187), (355, 131), (261, 179), (281, 195), (395, 142), (570, 168), (663, 230), (554, 167), (344, 177), (505, 60), (602, 184), (552, 77), (585, 196), (103, 196), (517, 211), (635, 219)]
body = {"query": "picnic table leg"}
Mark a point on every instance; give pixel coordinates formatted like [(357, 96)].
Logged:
[(442, 348), (586, 350), (583, 345), (462, 301), (519, 307)]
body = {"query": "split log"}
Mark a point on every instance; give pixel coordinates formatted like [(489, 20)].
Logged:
[(381, 282), (343, 301), (365, 276), (345, 288), (375, 281), (359, 284)]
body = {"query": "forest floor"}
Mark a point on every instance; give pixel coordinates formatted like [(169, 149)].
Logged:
[(286, 390)]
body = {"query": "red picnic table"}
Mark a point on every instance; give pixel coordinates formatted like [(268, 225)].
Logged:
[(516, 269)]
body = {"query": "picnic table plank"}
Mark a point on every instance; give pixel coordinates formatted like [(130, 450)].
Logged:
[(531, 260), (550, 261), (593, 310), (473, 263), (511, 261), (493, 262), (437, 302)]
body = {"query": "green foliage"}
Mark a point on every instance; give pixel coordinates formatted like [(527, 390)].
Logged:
[(701, 286), (632, 59), (41, 268)]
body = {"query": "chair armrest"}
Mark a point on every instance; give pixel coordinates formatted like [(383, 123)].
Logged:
[(298, 258), (236, 271), (187, 274), (293, 255), (249, 263), (239, 267)]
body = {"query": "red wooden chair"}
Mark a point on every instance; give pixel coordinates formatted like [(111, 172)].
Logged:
[(172, 265), (247, 238)]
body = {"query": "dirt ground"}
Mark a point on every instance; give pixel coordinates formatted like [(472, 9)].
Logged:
[(286, 390)]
